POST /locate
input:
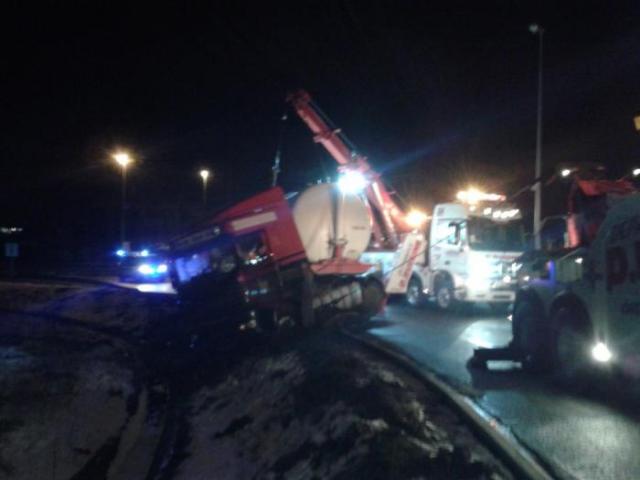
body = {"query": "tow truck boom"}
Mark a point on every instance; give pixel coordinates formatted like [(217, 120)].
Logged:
[(392, 220)]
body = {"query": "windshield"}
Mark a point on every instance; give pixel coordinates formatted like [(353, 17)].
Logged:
[(486, 234)]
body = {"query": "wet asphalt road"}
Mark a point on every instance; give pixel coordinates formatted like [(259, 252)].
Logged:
[(582, 433)]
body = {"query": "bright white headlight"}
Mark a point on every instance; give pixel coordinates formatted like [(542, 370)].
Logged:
[(479, 267), (601, 353), (145, 269), (352, 181)]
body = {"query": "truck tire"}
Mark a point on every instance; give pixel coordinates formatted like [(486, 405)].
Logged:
[(530, 336), (444, 295), (571, 347), (373, 298), (415, 295)]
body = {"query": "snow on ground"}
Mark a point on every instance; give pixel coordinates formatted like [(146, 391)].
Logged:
[(62, 404), (326, 409), (69, 395), (307, 406)]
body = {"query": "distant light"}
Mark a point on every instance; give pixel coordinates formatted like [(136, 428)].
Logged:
[(579, 260), (565, 172), (123, 159), (636, 172), (352, 181), (526, 278), (162, 268), (204, 173), (416, 218), (144, 253), (601, 353), (505, 214), (534, 28), (146, 269), (121, 253), (9, 230), (510, 317), (472, 196), (506, 279), (487, 211)]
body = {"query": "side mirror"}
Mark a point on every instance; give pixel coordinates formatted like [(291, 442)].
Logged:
[(456, 232)]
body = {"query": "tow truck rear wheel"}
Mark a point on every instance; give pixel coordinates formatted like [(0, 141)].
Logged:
[(415, 295), (530, 336), (571, 352), (444, 296)]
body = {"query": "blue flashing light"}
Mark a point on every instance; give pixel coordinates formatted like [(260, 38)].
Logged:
[(144, 253), (121, 253), (152, 270)]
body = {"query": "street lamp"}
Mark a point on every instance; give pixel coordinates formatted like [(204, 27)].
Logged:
[(537, 206), (124, 160), (204, 174), (636, 172)]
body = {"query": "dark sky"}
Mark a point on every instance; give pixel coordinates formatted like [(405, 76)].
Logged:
[(437, 94)]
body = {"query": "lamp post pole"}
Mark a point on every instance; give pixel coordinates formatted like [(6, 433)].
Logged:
[(123, 159), (537, 206)]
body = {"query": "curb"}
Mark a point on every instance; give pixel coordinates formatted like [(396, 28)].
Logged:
[(499, 438)]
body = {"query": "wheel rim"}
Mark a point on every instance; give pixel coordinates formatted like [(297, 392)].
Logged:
[(413, 293), (444, 297)]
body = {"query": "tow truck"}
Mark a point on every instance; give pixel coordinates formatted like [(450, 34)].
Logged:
[(579, 306), (280, 257), (472, 247)]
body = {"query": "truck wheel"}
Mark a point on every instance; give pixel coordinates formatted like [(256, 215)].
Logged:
[(415, 296), (445, 299), (373, 298), (530, 336), (571, 352)]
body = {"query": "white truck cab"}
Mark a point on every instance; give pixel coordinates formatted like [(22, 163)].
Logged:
[(470, 255)]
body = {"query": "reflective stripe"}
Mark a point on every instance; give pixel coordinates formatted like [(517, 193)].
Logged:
[(254, 220)]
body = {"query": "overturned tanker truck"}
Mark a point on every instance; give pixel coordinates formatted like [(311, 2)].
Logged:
[(296, 257)]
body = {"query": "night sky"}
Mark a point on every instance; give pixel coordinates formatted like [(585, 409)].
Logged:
[(438, 95)]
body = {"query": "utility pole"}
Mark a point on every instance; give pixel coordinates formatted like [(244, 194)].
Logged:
[(537, 206)]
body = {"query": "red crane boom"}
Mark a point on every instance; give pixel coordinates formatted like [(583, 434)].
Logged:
[(390, 221)]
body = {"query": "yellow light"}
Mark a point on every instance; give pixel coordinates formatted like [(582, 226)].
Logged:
[(565, 172), (123, 159), (204, 173), (416, 218), (473, 196)]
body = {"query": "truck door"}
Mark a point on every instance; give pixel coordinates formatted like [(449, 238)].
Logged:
[(614, 271), (445, 246)]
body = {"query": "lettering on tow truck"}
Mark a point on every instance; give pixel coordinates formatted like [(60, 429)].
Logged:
[(616, 255)]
